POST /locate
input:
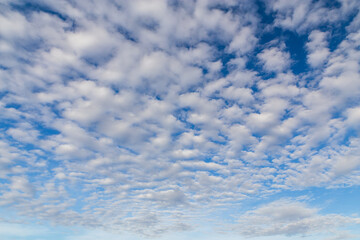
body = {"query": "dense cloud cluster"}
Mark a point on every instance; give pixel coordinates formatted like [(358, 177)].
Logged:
[(147, 115)]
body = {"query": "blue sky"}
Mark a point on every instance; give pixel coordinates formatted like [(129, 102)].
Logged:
[(166, 119)]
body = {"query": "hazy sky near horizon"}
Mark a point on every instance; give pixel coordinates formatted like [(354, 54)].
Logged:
[(166, 119)]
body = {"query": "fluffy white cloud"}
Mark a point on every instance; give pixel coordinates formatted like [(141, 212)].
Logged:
[(145, 117), (244, 41), (301, 15), (317, 47), (275, 59), (285, 217)]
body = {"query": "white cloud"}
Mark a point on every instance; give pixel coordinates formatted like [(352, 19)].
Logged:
[(146, 117), (244, 41), (274, 59), (302, 15), (285, 217), (353, 117), (13, 25), (317, 47)]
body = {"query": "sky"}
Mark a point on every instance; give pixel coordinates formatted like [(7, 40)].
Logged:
[(169, 119)]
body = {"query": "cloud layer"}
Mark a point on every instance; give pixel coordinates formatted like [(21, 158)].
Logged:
[(145, 116)]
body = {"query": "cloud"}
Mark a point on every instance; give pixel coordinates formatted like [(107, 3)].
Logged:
[(317, 48), (290, 218), (304, 15), (274, 59), (130, 116), (244, 41)]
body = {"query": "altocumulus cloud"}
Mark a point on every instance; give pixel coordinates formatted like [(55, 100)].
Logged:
[(154, 117)]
